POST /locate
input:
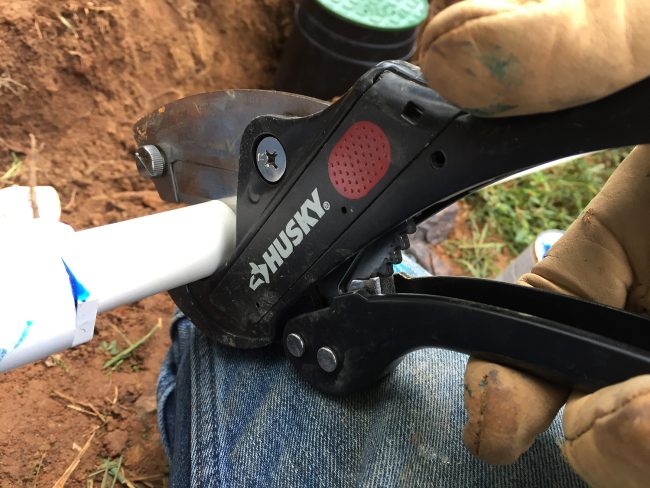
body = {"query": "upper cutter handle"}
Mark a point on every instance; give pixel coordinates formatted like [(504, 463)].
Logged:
[(389, 151)]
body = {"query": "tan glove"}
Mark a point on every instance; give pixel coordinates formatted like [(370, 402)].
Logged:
[(605, 257), (508, 57), (500, 57)]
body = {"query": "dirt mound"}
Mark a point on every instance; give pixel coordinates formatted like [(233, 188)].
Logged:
[(77, 75)]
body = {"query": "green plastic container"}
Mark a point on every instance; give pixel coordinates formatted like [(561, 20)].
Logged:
[(335, 41), (388, 15)]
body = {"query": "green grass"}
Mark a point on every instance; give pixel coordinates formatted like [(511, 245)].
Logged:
[(477, 255), (507, 217), (112, 473), (118, 356), (14, 169)]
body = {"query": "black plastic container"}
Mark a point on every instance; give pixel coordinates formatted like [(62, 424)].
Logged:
[(325, 53)]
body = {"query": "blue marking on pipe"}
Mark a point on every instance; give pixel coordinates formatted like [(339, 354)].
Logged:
[(79, 292), (24, 333)]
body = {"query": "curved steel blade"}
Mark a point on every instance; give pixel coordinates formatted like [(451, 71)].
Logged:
[(200, 137)]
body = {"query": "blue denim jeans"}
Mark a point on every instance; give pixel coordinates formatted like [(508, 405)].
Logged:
[(245, 418)]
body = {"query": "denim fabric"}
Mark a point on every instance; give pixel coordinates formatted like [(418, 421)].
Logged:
[(244, 418)]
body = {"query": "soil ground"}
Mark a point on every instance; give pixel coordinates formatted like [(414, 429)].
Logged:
[(76, 75)]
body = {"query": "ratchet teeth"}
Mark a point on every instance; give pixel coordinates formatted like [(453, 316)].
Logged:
[(400, 243)]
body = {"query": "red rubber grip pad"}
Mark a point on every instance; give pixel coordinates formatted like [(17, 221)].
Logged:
[(359, 160)]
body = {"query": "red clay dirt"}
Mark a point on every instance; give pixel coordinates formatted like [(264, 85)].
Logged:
[(76, 75)]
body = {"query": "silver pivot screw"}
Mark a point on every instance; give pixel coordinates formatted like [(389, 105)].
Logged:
[(150, 161), (271, 159), (295, 345), (327, 359)]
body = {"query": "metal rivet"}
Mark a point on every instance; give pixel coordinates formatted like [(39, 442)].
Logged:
[(150, 161), (271, 159), (295, 345), (326, 359)]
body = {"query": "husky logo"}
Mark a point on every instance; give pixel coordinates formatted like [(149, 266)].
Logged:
[(255, 270), (288, 239)]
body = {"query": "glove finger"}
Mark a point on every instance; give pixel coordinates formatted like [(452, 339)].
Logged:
[(604, 254), (506, 409), (511, 57), (435, 7), (608, 434)]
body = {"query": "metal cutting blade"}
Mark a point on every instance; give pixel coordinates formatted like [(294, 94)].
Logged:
[(200, 136)]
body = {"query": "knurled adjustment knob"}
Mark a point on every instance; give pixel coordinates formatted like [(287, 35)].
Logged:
[(150, 161)]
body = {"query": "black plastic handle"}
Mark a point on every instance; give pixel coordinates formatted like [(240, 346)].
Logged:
[(436, 154), (563, 339)]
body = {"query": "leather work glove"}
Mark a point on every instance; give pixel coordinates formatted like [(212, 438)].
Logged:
[(605, 257), (511, 57)]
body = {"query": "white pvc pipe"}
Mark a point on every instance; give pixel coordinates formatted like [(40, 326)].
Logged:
[(16, 204), (46, 264), (37, 308), (124, 262)]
